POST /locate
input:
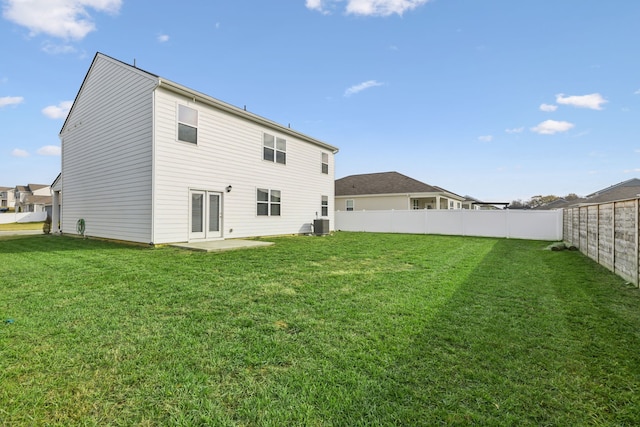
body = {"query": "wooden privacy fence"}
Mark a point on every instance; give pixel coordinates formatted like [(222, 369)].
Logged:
[(608, 234)]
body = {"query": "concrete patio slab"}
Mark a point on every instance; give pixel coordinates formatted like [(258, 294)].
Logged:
[(222, 245)]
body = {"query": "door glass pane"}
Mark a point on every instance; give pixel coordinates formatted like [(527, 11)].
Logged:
[(214, 212), (197, 217)]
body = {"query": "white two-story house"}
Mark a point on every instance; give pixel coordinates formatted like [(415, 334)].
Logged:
[(145, 159)]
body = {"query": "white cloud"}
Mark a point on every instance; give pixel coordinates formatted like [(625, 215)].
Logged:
[(549, 127), (636, 170), (67, 19), (362, 86), (317, 5), (514, 130), (10, 100), (59, 111), (16, 152), (367, 7), (485, 138), (548, 108), (55, 49), (382, 7), (593, 101), (163, 38), (49, 150), (637, 92)]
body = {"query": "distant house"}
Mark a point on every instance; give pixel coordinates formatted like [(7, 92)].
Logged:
[(391, 190), (559, 203), (32, 197), (145, 159), (475, 204), (471, 203), (7, 197), (625, 190)]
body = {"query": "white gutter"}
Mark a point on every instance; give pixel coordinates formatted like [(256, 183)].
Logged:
[(208, 100)]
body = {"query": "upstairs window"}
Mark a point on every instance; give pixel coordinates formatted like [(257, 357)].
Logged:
[(274, 149), (325, 163), (325, 206), (268, 202), (349, 205), (187, 124)]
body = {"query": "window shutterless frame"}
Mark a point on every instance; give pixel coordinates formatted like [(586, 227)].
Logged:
[(325, 163), (274, 149), (187, 124)]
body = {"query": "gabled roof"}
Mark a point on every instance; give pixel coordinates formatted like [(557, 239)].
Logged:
[(629, 189), (383, 183), (34, 187), (203, 98)]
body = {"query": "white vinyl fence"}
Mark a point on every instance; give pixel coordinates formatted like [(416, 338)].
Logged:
[(10, 217), (516, 224)]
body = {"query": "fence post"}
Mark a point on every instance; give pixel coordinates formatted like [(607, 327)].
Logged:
[(637, 257)]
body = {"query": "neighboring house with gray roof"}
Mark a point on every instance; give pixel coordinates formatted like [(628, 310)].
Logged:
[(625, 190), (391, 190), (32, 197)]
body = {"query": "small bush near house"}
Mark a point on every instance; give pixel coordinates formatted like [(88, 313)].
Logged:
[(46, 226)]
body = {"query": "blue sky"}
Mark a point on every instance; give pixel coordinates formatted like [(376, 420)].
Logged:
[(500, 100)]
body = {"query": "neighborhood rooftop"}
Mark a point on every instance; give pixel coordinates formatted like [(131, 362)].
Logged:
[(382, 183)]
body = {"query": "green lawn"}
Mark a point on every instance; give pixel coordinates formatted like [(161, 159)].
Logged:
[(346, 330)]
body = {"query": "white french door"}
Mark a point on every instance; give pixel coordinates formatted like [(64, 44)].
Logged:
[(205, 209)]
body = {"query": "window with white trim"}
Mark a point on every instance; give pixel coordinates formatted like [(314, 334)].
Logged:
[(324, 206), (274, 149), (415, 203), (268, 202), (349, 205), (325, 163), (187, 124)]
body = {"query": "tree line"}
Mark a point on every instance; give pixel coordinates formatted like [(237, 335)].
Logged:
[(540, 200)]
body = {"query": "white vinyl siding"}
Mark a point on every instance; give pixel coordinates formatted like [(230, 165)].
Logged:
[(230, 152), (127, 176), (107, 154)]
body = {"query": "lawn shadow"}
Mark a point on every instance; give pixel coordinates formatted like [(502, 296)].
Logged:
[(35, 243), (520, 344)]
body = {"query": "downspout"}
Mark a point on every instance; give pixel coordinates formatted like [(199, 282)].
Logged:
[(153, 162)]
